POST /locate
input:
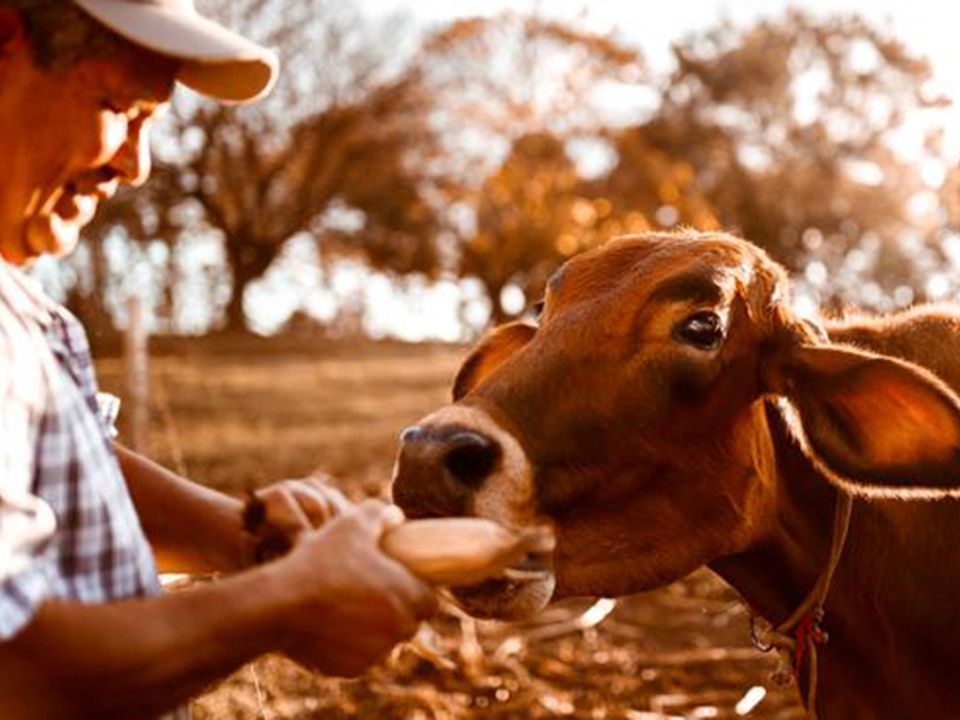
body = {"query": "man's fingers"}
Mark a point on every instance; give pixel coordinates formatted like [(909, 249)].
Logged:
[(418, 596), (378, 516), (425, 603), (285, 513), (314, 503), (336, 499), (412, 601), (404, 621), (293, 506)]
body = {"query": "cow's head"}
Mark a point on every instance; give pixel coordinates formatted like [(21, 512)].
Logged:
[(633, 419)]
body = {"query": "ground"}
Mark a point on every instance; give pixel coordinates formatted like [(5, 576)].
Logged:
[(238, 413)]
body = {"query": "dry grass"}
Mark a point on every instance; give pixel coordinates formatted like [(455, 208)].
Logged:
[(239, 413), (255, 415)]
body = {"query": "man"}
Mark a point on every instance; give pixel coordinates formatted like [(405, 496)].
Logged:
[(84, 630)]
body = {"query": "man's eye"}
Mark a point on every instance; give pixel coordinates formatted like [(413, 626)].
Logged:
[(703, 330)]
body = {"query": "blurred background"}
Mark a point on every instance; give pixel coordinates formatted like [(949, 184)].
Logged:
[(310, 270), (422, 167)]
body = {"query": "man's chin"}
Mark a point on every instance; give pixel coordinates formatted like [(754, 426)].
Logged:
[(50, 235)]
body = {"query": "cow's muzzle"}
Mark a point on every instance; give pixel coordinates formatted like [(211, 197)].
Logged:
[(459, 462), (440, 467)]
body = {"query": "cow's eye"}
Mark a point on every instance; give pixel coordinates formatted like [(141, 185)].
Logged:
[(703, 330), (538, 309)]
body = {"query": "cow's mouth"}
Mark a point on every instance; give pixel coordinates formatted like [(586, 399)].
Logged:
[(521, 591), (535, 566), (430, 481)]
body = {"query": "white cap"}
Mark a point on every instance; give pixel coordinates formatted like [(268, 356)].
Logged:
[(217, 62)]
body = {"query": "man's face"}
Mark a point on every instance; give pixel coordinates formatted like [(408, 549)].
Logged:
[(77, 134)]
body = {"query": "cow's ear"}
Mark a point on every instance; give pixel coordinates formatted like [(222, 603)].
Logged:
[(492, 351), (875, 423)]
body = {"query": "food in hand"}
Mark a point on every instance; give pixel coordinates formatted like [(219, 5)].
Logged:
[(462, 551)]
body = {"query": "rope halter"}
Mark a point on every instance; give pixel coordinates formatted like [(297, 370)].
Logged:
[(799, 636)]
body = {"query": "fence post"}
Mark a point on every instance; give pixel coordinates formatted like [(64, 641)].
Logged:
[(136, 360)]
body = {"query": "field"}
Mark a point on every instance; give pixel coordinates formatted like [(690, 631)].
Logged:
[(238, 413)]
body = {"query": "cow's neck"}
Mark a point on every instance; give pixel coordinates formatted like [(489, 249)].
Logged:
[(775, 575), (891, 613)]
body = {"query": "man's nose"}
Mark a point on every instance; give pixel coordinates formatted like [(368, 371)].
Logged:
[(132, 162), (439, 468)]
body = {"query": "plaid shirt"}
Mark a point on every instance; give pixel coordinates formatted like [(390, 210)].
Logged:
[(68, 528)]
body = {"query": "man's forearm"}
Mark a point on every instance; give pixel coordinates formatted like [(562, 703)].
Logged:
[(138, 658), (192, 528)]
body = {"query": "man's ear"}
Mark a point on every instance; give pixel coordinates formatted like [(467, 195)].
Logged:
[(492, 351), (873, 422)]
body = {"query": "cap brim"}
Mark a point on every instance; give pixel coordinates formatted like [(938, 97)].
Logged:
[(216, 61)]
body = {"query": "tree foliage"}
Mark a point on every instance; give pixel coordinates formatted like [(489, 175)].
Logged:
[(784, 131), (790, 124), (510, 91)]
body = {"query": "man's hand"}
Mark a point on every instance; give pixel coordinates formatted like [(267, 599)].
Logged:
[(277, 515), (334, 603), (350, 603)]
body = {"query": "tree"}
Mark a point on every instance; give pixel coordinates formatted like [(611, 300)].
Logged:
[(511, 91), (499, 78), (344, 135), (788, 126), (356, 154), (526, 219)]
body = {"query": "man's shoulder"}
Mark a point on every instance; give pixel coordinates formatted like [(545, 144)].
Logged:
[(25, 296), (27, 304), (16, 332), (22, 369), (23, 353)]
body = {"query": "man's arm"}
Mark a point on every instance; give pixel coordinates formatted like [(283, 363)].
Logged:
[(138, 658), (191, 528), (196, 529), (335, 603)]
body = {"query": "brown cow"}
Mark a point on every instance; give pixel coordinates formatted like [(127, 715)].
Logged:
[(671, 411)]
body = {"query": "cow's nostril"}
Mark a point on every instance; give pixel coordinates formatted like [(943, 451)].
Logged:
[(470, 458), (412, 434)]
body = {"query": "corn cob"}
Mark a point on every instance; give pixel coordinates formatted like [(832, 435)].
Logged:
[(461, 551)]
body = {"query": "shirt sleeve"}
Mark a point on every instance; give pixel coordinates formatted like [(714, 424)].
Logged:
[(27, 523), (25, 583)]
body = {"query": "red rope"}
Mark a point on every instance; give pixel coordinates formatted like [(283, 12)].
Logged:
[(809, 630)]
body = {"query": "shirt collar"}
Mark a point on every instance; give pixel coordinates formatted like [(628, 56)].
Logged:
[(25, 296)]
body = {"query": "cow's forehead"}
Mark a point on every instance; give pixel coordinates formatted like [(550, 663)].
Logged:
[(647, 263)]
